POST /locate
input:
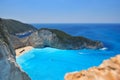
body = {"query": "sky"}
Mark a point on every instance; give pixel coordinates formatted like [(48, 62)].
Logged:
[(61, 11)]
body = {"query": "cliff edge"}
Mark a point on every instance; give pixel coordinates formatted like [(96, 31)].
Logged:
[(16, 27), (46, 37), (9, 70), (58, 39), (108, 70)]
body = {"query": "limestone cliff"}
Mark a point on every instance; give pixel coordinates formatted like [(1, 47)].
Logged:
[(9, 70), (16, 27), (59, 39), (108, 70), (16, 42), (55, 39), (46, 37)]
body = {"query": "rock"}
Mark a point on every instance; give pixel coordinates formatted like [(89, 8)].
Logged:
[(59, 39), (16, 42), (19, 42), (17, 28), (108, 70), (9, 69), (46, 37)]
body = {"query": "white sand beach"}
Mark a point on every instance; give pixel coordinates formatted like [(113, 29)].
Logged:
[(23, 50)]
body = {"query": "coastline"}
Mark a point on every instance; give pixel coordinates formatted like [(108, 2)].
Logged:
[(108, 70), (22, 50)]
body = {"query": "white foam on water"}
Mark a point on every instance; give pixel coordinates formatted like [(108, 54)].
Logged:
[(104, 48), (81, 53)]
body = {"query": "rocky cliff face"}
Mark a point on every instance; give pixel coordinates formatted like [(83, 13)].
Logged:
[(108, 70), (55, 39), (58, 39), (16, 42), (46, 37), (9, 70), (16, 27)]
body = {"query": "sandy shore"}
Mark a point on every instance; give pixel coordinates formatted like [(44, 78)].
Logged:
[(23, 50)]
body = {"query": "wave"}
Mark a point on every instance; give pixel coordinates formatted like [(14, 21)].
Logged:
[(104, 48)]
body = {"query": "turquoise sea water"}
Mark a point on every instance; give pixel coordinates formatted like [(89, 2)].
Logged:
[(52, 64)]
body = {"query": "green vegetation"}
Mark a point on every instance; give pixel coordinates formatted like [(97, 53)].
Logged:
[(68, 39), (14, 26), (4, 36), (60, 34)]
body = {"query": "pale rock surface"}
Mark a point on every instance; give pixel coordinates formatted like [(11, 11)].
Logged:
[(108, 70), (45, 37), (58, 39), (9, 69)]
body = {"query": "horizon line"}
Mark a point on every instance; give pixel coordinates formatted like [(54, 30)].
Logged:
[(76, 23), (61, 22)]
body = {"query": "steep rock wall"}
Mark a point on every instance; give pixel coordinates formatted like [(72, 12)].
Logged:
[(59, 39), (108, 70), (9, 70)]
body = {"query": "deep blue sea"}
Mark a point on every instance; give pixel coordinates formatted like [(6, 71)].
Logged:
[(53, 64)]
